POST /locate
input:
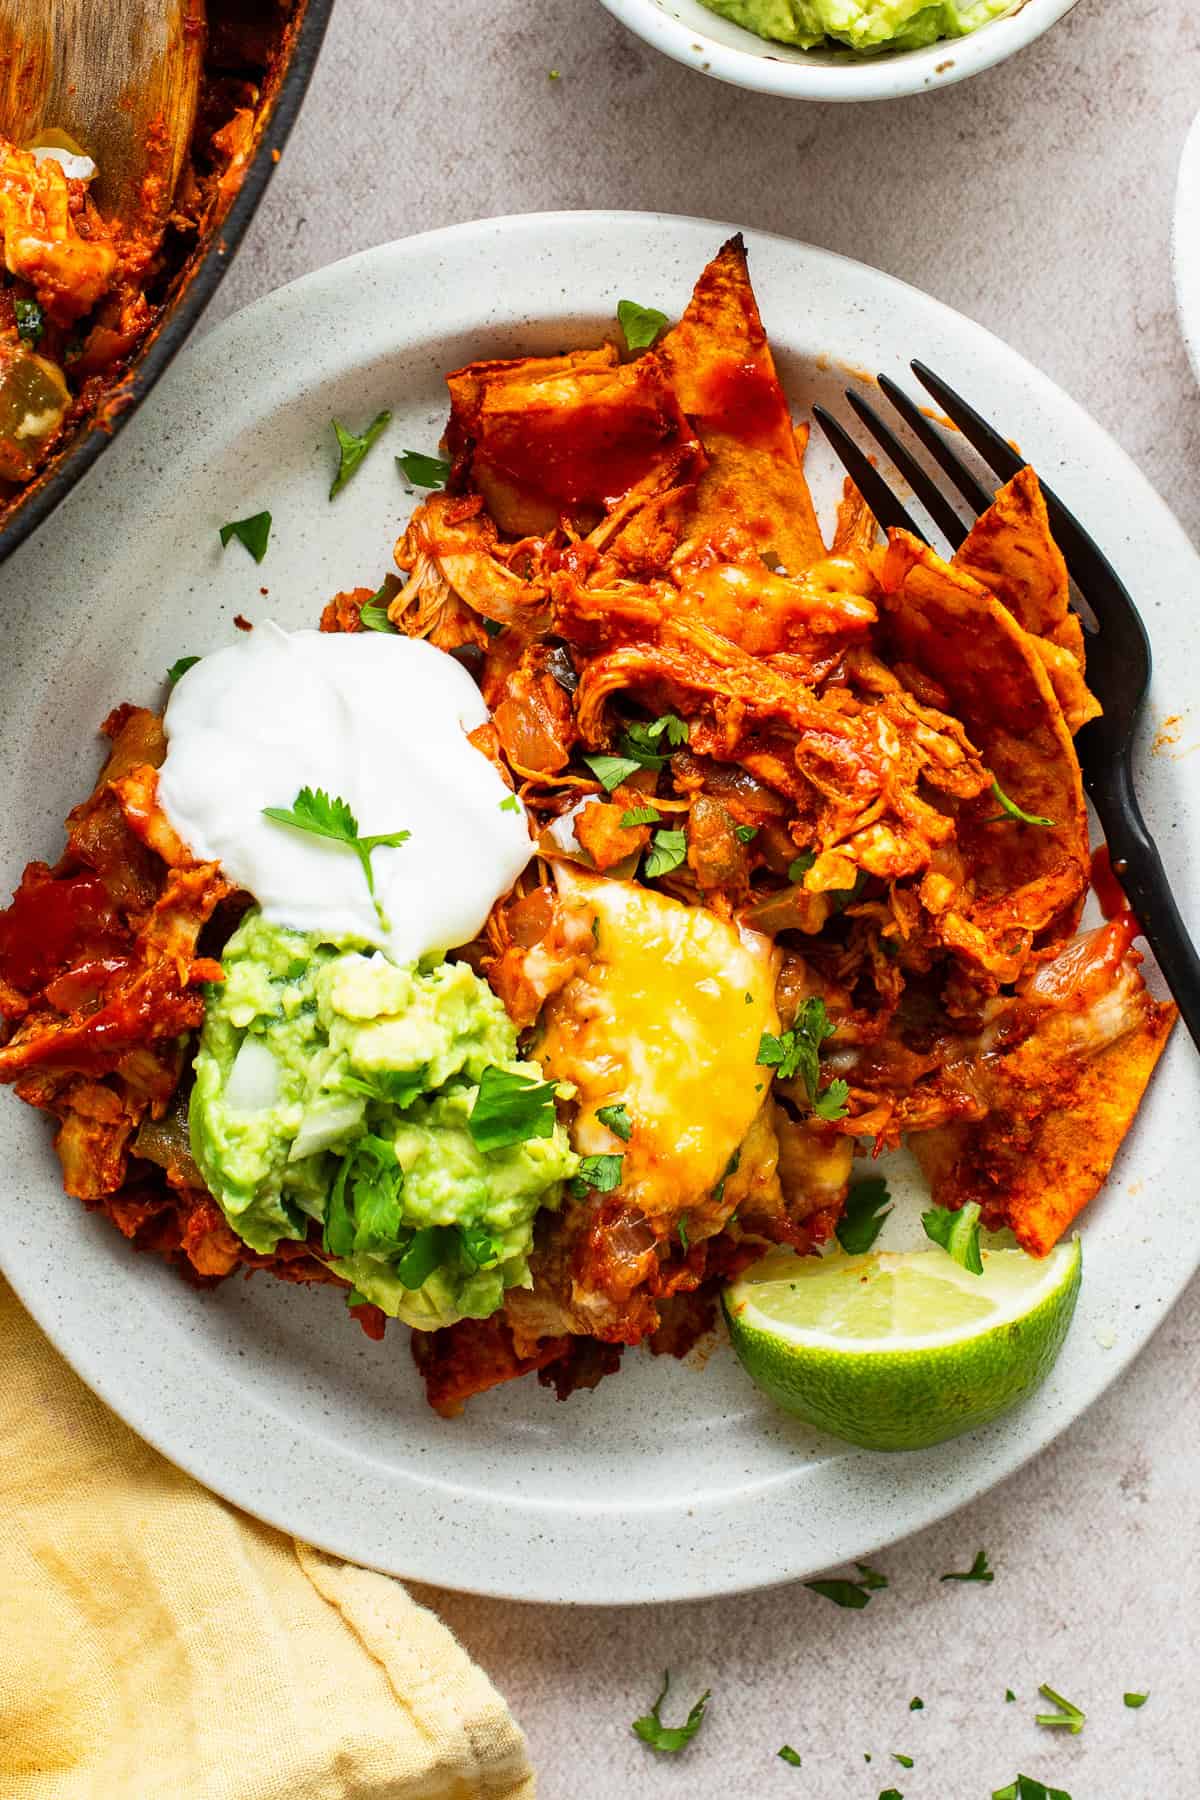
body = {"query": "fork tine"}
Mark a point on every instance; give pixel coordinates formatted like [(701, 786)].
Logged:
[(926, 432), (921, 482), (1090, 569), (870, 483)]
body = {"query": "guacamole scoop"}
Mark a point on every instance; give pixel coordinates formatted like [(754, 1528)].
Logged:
[(389, 1105), (862, 24)]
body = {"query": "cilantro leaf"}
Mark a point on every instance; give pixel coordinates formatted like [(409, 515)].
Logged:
[(314, 812), (916, 1704), (1010, 810), (870, 1578), (786, 1754), (957, 1233), (1026, 1788), (641, 325), (373, 614), (683, 1235), (643, 740), (668, 1739), (376, 1179), (1136, 1700), (850, 1594), (337, 1231), (424, 471), (611, 771), (745, 834), (891, 1794), (640, 815), (1069, 1715), (397, 1087), (511, 804), (480, 1247), (617, 1118), (422, 1257), (30, 321), (978, 1570), (797, 1052), (181, 667), (1009, 1695), (352, 448), (668, 850), (798, 868), (863, 1216), (906, 1762), (510, 1109), (599, 1173), (252, 532)]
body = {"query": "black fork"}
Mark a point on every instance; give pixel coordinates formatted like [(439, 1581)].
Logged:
[(1118, 650)]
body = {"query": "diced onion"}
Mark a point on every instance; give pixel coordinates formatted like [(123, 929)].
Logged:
[(254, 1084), (323, 1126), (76, 168)]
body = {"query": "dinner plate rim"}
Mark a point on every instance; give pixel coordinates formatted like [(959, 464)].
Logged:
[(1185, 245), (551, 1578)]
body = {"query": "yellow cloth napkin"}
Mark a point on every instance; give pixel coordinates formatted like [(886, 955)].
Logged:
[(157, 1644)]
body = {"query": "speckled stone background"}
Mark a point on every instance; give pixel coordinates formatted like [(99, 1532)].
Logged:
[(1036, 198)]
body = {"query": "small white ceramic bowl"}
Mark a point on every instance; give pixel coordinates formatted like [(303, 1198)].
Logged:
[(693, 35)]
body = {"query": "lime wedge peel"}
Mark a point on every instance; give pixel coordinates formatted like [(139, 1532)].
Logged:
[(897, 1351)]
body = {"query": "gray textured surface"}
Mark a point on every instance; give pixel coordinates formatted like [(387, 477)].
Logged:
[(1037, 199)]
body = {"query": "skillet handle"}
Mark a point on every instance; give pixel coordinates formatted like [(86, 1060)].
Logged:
[(1138, 867)]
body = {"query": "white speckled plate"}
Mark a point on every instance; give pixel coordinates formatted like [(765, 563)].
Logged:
[(669, 1480), (1185, 245)]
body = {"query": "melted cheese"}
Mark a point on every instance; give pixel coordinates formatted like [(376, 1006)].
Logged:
[(667, 1017)]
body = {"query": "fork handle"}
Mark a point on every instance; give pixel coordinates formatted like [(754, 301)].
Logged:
[(1138, 867)]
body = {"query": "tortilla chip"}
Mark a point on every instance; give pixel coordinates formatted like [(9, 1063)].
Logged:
[(1024, 878), (720, 365), (1011, 550), (548, 437)]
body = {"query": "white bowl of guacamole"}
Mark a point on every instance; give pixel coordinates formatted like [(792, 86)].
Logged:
[(840, 49)]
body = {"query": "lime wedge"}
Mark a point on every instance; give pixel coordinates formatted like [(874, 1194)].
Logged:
[(897, 1352)]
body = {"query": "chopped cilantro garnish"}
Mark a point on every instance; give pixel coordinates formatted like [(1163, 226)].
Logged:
[(1068, 1716), (1026, 1788), (891, 1794), (683, 1236), (511, 804), (797, 1052), (424, 471), (916, 1704), (510, 1109), (641, 325), (617, 1118), (479, 1246), (640, 815), (181, 667), (869, 1577), (599, 1173), (397, 1087), (668, 850), (314, 812), (1010, 810), (786, 1754), (352, 448), (611, 771), (668, 1739), (978, 1570), (421, 1257), (363, 1210), (30, 322), (1136, 1700), (373, 614), (252, 532), (1009, 1695), (798, 868), (746, 834), (852, 1594), (644, 740), (958, 1235), (906, 1762)]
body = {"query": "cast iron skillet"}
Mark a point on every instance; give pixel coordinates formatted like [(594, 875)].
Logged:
[(197, 288)]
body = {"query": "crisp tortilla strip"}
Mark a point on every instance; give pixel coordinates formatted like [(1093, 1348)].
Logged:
[(1060, 1103), (1025, 878), (856, 531), (720, 365), (1010, 550), (563, 436)]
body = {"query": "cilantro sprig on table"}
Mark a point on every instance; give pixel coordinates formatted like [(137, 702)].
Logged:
[(978, 1571), (1069, 1716), (853, 1595), (315, 812), (668, 1740), (353, 447), (798, 1051), (1026, 1788)]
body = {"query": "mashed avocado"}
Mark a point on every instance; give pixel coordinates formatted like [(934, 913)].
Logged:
[(332, 1085), (863, 24)]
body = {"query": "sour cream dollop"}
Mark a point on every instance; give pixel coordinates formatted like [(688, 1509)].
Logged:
[(377, 721)]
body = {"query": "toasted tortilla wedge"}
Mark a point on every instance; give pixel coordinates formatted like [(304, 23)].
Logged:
[(568, 436), (1023, 879), (720, 365), (1011, 551)]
